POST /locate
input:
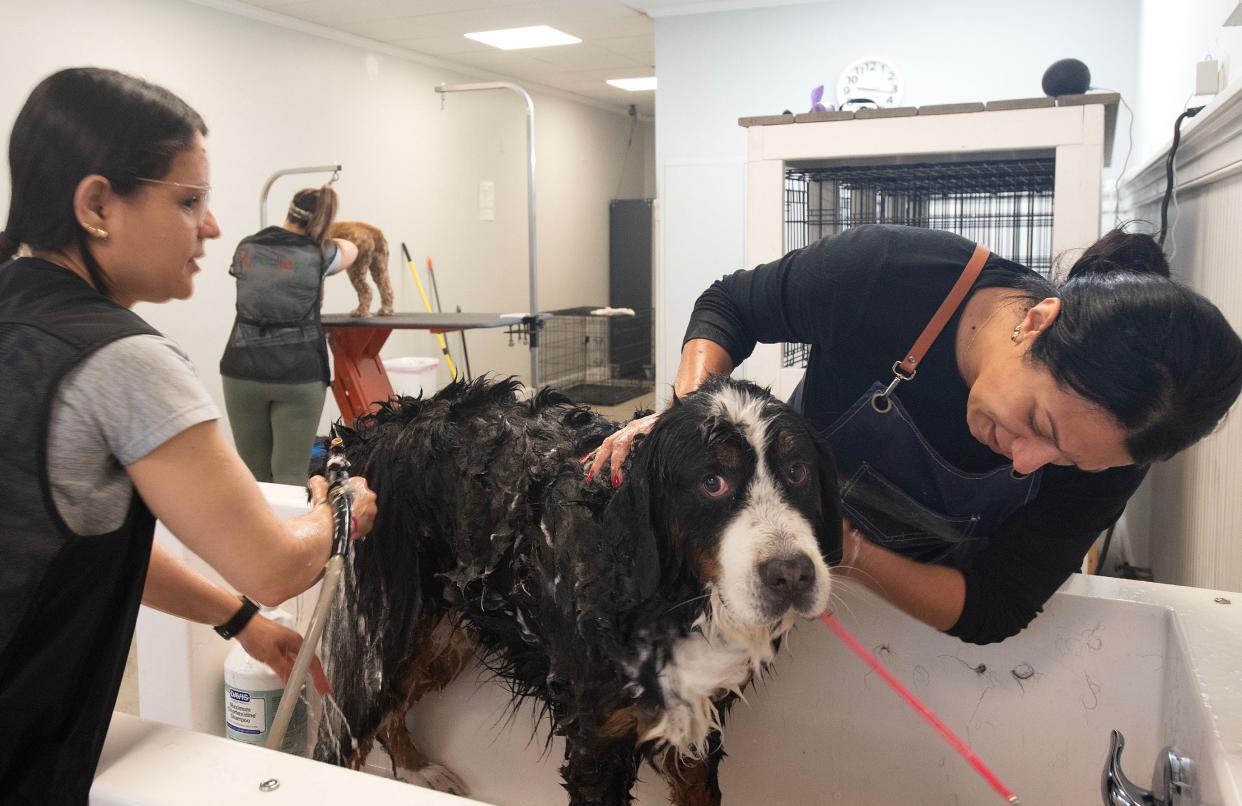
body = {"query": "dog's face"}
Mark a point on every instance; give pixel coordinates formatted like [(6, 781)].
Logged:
[(749, 495)]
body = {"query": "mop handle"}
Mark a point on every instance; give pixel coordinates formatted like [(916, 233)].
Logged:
[(342, 515), (435, 288), (444, 350), (922, 710), (418, 282)]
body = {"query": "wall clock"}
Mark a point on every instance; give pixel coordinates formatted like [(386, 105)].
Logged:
[(873, 79)]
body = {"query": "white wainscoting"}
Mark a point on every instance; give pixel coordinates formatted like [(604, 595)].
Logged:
[(1187, 519)]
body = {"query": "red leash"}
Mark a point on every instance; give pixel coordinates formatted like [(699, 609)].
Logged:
[(922, 710)]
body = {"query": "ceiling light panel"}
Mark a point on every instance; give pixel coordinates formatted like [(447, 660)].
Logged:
[(634, 84), (535, 36)]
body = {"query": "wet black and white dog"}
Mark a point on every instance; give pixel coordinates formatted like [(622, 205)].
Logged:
[(634, 617)]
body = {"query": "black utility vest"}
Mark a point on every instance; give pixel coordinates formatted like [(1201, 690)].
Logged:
[(277, 336), (68, 603)]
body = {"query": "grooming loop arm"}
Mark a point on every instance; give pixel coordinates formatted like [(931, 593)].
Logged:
[(267, 186)]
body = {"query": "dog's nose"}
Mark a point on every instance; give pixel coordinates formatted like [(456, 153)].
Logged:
[(786, 578)]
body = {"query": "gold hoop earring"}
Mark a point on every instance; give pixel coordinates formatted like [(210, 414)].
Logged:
[(1017, 331), (101, 234)]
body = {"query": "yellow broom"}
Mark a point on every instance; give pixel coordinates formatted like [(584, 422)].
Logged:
[(448, 359)]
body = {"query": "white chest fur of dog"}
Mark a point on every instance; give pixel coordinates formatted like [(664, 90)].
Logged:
[(720, 656)]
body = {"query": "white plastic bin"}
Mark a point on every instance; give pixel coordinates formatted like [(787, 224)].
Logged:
[(412, 375)]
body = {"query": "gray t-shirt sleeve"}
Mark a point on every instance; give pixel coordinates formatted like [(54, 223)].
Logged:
[(117, 406), (334, 263)]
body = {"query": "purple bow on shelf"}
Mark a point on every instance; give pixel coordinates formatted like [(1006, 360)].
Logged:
[(817, 97)]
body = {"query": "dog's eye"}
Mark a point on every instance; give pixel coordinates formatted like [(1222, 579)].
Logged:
[(715, 486), (796, 473)]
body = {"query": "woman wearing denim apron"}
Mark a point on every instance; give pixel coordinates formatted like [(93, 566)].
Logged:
[(987, 425)]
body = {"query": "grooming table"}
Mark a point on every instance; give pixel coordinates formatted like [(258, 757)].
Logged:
[(360, 379)]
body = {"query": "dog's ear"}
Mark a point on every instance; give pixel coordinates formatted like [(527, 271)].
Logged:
[(630, 528), (829, 501)]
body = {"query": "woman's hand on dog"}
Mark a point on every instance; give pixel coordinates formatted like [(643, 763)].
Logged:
[(277, 646), (363, 502), (613, 450)]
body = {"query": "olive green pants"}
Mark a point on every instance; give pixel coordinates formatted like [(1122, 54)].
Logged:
[(274, 426)]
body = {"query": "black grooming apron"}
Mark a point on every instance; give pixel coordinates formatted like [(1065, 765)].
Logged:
[(68, 602)]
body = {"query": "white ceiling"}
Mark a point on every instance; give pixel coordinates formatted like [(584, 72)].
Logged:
[(618, 38)]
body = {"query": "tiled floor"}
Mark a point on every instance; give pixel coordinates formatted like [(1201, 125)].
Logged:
[(625, 410)]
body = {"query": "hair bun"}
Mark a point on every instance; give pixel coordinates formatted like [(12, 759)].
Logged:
[(1121, 251)]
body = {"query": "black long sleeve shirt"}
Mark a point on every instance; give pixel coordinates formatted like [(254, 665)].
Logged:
[(860, 299)]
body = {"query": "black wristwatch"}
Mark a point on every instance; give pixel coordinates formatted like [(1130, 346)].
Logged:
[(239, 620)]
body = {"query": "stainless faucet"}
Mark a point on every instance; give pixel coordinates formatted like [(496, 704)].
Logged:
[(1172, 779)]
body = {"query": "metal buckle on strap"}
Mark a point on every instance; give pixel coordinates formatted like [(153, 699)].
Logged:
[(880, 402), (899, 375)]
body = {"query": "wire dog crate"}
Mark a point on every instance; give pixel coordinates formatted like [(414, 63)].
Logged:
[(601, 360), (1003, 203)]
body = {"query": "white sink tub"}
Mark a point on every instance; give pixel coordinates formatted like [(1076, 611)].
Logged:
[(1160, 663)]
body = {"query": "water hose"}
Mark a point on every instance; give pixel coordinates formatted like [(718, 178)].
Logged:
[(448, 359), (342, 516)]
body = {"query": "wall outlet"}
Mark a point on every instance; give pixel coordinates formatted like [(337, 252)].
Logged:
[(1207, 77), (487, 200)]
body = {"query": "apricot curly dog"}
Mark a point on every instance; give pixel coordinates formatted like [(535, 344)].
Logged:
[(372, 259)]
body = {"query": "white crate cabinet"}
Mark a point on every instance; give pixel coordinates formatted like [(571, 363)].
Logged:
[(1076, 130)]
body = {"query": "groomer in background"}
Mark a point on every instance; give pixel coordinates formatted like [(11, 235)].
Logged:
[(275, 366), (983, 442), (106, 427)]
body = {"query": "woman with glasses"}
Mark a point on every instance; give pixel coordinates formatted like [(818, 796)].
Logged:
[(105, 427), (275, 366)]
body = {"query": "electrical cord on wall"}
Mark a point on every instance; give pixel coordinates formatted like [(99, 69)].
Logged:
[(1126, 162), (1168, 173)]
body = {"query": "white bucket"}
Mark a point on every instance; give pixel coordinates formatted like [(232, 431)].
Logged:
[(412, 375)]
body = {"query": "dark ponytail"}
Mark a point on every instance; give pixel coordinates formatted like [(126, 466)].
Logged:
[(1159, 358), (83, 121), (314, 209)]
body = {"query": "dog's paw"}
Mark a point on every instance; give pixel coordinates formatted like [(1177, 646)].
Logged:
[(361, 313), (386, 310), (434, 776)]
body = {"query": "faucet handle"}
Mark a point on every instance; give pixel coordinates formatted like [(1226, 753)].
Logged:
[(1172, 777), (1117, 789)]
